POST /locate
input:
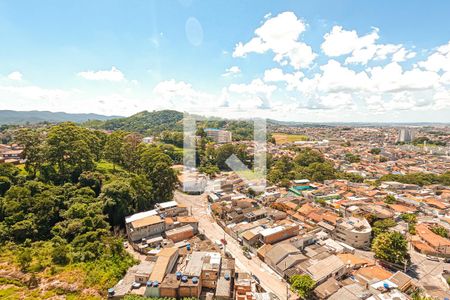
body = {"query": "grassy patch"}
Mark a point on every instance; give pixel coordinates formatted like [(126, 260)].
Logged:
[(284, 138), (98, 275), (108, 167)]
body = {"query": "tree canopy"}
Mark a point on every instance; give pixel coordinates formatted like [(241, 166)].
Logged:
[(391, 247)]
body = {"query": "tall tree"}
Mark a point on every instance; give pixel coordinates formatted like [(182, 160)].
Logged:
[(69, 151), (157, 167), (302, 285), (391, 247), (113, 147), (131, 150), (32, 141)]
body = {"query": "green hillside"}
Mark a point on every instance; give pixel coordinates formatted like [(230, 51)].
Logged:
[(144, 122)]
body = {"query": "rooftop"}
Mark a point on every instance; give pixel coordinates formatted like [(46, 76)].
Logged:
[(146, 221), (325, 267), (140, 215)]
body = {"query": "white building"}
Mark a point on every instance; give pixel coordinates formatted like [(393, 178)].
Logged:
[(148, 140), (354, 232), (405, 135), (218, 135)]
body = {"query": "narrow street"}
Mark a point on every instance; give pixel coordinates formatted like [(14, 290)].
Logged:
[(270, 281)]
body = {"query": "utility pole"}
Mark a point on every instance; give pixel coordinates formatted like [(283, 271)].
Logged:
[(224, 243)]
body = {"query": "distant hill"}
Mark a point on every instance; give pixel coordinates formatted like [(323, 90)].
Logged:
[(33, 117), (155, 122), (145, 121)]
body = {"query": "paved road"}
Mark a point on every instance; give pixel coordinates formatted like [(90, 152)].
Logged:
[(270, 281)]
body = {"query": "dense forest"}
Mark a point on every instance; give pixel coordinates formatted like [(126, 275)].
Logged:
[(60, 212)]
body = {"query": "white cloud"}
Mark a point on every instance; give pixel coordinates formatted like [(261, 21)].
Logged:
[(277, 75), (399, 101), (439, 60), (32, 93), (402, 55), (112, 75), (442, 99), (257, 86), (361, 49), (280, 34), (232, 71), (16, 76), (329, 101), (171, 88), (391, 78), (335, 78), (340, 41)]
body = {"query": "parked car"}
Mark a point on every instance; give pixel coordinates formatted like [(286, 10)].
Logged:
[(433, 258), (256, 279), (219, 244), (246, 254), (135, 285)]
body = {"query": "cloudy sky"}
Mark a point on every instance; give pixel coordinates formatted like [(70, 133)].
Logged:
[(288, 60)]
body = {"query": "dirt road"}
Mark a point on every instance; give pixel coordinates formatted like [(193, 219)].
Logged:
[(270, 281)]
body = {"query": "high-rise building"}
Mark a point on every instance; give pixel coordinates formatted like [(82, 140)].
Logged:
[(405, 135), (218, 135)]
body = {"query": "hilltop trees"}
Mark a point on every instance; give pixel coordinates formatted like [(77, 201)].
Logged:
[(63, 160), (61, 208)]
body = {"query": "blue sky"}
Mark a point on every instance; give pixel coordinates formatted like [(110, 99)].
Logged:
[(289, 60)]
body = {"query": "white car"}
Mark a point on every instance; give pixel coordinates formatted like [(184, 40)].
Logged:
[(218, 244)]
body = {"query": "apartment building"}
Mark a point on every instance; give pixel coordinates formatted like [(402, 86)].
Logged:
[(218, 135), (355, 232)]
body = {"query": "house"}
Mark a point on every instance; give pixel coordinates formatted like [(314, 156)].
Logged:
[(180, 233), (371, 273), (147, 226), (403, 281), (279, 252), (278, 233), (438, 243), (327, 288), (321, 270), (171, 209)]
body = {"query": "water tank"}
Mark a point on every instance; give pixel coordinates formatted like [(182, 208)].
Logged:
[(194, 280), (184, 279), (155, 283), (149, 283), (188, 247), (227, 276), (178, 275), (385, 285), (111, 292)]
